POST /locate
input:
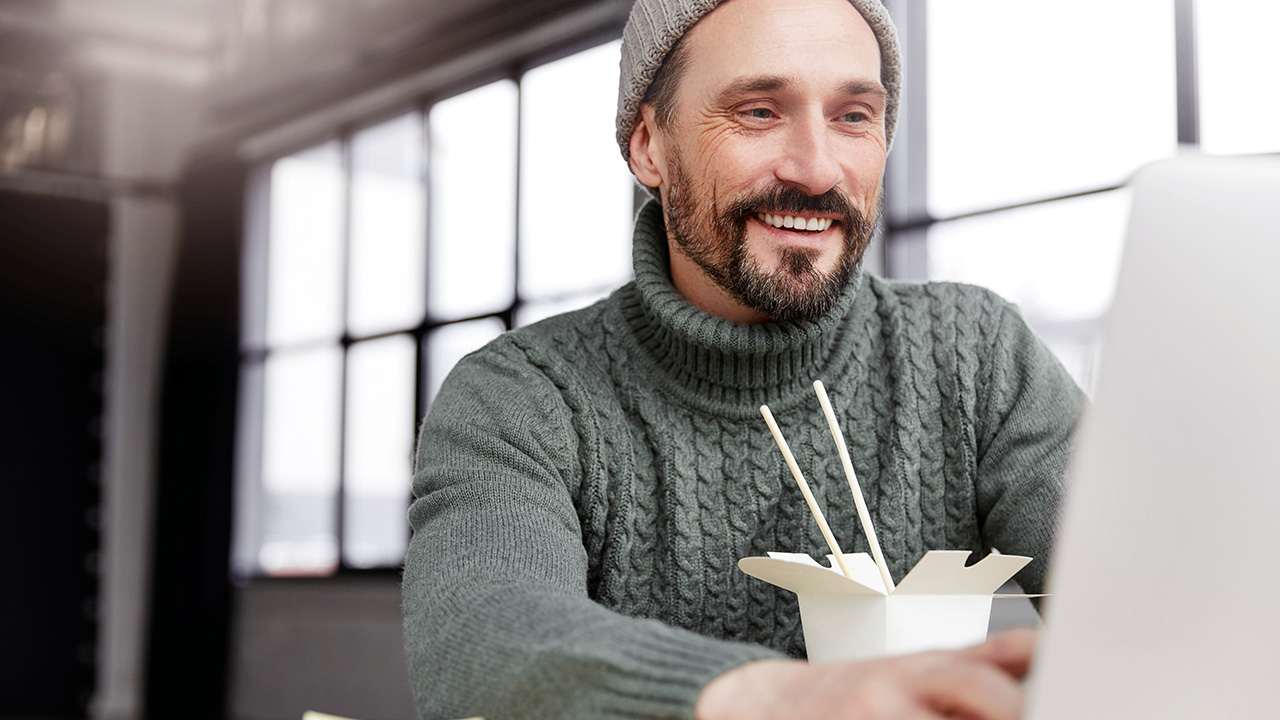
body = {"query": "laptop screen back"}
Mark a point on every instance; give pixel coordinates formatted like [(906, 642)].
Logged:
[(1166, 577)]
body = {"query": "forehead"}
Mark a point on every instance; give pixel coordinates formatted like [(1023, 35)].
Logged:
[(810, 41)]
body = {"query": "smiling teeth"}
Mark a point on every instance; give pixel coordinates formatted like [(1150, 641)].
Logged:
[(796, 223)]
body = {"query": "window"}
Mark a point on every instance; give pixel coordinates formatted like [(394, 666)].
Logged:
[(1036, 115), (561, 256), (388, 254), (392, 250), (1017, 112), (473, 183), (304, 263), (1238, 62)]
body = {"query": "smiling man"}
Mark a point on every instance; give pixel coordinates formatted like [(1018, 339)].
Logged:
[(585, 486)]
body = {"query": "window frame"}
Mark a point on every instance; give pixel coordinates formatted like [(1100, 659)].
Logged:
[(254, 350)]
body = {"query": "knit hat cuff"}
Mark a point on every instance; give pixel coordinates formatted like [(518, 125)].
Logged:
[(655, 26)]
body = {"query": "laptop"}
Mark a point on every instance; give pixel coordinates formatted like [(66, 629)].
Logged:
[(1166, 577)]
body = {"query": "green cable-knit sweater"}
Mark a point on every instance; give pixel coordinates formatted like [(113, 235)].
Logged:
[(585, 486)]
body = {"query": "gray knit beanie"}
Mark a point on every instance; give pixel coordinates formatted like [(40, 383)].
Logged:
[(654, 26)]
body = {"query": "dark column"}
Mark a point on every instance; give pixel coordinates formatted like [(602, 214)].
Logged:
[(190, 614), (53, 271)]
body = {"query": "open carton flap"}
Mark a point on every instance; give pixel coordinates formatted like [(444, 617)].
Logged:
[(800, 573), (942, 572), (939, 572)]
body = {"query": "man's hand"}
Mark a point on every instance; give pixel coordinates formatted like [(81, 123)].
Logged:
[(977, 683)]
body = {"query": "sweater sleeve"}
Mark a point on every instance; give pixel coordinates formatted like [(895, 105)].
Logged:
[(498, 622), (1031, 410)]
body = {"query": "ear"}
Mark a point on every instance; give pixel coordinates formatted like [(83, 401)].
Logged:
[(648, 151)]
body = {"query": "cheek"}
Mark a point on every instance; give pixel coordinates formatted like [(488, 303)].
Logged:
[(864, 174), (710, 136), (729, 160)]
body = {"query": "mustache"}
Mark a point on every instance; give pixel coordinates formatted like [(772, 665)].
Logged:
[(789, 199)]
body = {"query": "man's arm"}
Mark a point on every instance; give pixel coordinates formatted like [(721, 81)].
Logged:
[(1027, 417), (497, 617)]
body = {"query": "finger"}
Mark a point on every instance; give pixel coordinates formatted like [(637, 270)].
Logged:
[(1011, 650), (972, 689)]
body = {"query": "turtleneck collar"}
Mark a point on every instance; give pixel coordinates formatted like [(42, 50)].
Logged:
[(708, 354)]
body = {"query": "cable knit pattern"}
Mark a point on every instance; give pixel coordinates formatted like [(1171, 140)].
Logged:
[(585, 486)]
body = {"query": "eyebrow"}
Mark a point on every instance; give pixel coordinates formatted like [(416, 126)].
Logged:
[(770, 83), (864, 87), (749, 85)]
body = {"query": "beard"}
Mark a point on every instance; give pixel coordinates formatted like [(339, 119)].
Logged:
[(715, 239)]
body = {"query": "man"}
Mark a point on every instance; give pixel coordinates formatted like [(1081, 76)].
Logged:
[(585, 486)]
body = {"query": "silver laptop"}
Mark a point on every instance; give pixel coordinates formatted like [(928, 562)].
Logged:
[(1166, 577)]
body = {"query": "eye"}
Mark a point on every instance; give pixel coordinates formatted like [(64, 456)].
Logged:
[(855, 117), (759, 113)]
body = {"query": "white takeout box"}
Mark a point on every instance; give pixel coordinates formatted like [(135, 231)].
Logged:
[(940, 604)]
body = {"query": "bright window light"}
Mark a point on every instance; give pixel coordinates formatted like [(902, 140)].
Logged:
[(473, 202), (387, 213), (1028, 100), (304, 265), (379, 450), (1239, 62), (1057, 261), (575, 190), (301, 402)]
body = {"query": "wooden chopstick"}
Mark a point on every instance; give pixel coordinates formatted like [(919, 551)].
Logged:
[(863, 514), (804, 490)]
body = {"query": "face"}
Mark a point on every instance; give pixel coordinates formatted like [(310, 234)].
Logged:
[(770, 169)]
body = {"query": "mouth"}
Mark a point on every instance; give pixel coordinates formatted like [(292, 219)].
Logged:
[(796, 223)]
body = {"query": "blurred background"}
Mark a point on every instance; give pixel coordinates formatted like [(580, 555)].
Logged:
[(243, 241)]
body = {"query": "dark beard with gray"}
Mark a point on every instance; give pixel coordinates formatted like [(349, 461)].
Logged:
[(795, 291)]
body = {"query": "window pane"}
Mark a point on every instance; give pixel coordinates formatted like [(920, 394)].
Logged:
[(1028, 100), (1239, 62), (301, 402), (304, 265), (575, 189), (1057, 261), (379, 450), (473, 204), (386, 227), (449, 343)]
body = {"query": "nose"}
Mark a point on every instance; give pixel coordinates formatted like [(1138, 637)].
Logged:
[(808, 159)]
